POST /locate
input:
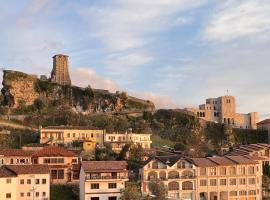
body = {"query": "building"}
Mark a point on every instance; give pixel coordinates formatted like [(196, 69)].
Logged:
[(60, 71), (14, 157), (25, 182), (90, 137), (63, 164), (118, 140), (102, 180), (211, 178), (223, 110)]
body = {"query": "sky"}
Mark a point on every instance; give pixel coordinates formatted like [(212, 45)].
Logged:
[(176, 53)]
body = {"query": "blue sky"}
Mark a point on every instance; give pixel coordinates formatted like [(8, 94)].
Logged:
[(174, 52)]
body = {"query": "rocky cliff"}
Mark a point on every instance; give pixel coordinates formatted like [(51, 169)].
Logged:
[(24, 89)]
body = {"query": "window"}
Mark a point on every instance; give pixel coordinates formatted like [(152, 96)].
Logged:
[(22, 194), (57, 174), (233, 193), (94, 198), (8, 195), (68, 135), (223, 171), (44, 194), (74, 160), (242, 181), (21, 181), (251, 181), (187, 185), (203, 171), (28, 181), (251, 170), (95, 186), (233, 181), (44, 181), (252, 192), (37, 194), (37, 181), (242, 171), (213, 182), (242, 193), (28, 194), (172, 186), (112, 185), (92, 135), (8, 180), (203, 182), (213, 171), (61, 174), (223, 182), (112, 198)]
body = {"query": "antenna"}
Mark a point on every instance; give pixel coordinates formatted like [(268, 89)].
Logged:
[(227, 91)]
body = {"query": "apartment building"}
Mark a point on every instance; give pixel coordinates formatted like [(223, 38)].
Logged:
[(102, 180), (119, 140), (211, 178), (90, 137), (24, 182), (14, 156), (63, 164)]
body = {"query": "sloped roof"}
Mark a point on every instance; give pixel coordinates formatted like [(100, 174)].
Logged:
[(266, 121), (221, 160), (203, 162), (15, 152), (53, 151), (28, 169), (4, 172), (104, 166), (71, 128)]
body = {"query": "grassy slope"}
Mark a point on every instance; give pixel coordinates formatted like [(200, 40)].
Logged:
[(159, 142), (62, 192)]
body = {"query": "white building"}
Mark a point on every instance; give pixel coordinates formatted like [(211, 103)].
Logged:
[(24, 182), (102, 180)]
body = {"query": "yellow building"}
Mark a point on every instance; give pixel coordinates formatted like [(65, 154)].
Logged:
[(90, 137), (119, 140), (102, 180), (211, 178), (14, 157), (24, 182)]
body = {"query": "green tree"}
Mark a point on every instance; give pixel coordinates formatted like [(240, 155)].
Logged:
[(179, 146), (131, 192), (38, 104), (158, 190)]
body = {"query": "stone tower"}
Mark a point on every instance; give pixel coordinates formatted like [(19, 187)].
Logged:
[(60, 73)]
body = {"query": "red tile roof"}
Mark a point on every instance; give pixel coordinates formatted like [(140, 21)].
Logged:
[(104, 166), (28, 169), (266, 121), (15, 152), (71, 128), (53, 151), (4, 172)]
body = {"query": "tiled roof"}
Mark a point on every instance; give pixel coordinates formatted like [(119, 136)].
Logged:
[(71, 128), (53, 151), (35, 145), (15, 152), (266, 121), (104, 166), (28, 169), (169, 160), (241, 160), (221, 160), (4, 172), (203, 162)]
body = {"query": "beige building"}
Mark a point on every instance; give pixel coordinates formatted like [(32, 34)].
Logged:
[(118, 140), (14, 157), (223, 110), (63, 164), (102, 180), (24, 182), (60, 71), (66, 135), (211, 178)]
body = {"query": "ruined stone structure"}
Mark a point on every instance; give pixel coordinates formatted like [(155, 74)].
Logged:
[(60, 72), (223, 110)]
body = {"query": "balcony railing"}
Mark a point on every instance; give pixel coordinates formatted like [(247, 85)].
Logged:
[(105, 177), (169, 178)]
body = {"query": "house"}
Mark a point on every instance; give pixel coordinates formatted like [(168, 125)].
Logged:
[(210, 178), (67, 135), (102, 180), (25, 182), (63, 164), (14, 156), (119, 140)]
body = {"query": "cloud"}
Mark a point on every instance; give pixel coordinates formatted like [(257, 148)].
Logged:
[(237, 19), (85, 76)]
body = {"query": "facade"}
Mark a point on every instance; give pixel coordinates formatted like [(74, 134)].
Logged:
[(118, 141), (223, 110), (24, 182), (60, 71), (102, 180), (14, 157), (211, 178), (63, 164), (66, 135)]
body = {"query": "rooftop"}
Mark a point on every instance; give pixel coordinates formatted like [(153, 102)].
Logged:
[(104, 166), (28, 169), (15, 152), (53, 151), (266, 121), (70, 128)]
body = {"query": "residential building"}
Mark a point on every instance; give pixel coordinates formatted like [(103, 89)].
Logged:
[(119, 140), (102, 180), (25, 182), (211, 178), (223, 110), (63, 164), (14, 156), (67, 135)]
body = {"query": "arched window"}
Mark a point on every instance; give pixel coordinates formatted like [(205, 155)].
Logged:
[(173, 175), (162, 175), (152, 176), (187, 174), (187, 185), (155, 165), (173, 186)]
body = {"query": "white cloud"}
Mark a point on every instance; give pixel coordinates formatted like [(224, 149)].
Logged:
[(237, 19)]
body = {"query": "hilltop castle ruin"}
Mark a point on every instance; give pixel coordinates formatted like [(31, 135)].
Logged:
[(60, 71)]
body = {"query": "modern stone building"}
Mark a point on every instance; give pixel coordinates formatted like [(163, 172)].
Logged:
[(223, 110), (60, 72)]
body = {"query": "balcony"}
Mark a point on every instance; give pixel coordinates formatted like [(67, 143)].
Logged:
[(105, 177), (170, 178)]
